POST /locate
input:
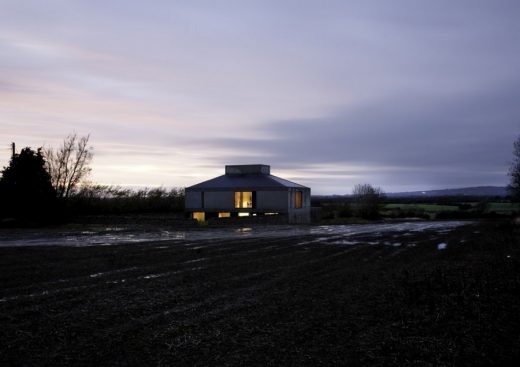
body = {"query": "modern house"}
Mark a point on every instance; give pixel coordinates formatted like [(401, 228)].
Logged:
[(249, 190)]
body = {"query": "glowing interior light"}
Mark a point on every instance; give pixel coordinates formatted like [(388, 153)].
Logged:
[(199, 216), (298, 200), (243, 199)]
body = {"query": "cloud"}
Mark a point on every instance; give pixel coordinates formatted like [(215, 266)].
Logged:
[(420, 139), (397, 93)]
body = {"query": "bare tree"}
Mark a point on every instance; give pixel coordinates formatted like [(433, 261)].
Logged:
[(70, 164), (514, 172), (367, 200)]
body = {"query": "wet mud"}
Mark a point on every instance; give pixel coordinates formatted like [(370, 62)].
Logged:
[(325, 296)]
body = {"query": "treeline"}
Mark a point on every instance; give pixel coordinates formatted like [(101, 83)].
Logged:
[(102, 199), (448, 207), (48, 186), (440, 200), (366, 202)]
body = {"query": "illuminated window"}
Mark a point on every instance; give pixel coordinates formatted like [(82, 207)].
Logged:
[(244, 199), (243, 214), (224, 214), (298, 199), (198, 216)]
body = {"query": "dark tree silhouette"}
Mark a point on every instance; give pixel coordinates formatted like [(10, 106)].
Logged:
[(25, 186), (367, 201), (69, 164), (514, 172)]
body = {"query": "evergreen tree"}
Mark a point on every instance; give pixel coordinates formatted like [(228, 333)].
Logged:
[(26, 191)]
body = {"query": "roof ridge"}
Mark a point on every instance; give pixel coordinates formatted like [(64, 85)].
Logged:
[(244, 181)]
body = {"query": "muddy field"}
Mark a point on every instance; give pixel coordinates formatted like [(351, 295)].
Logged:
[(435, 296)]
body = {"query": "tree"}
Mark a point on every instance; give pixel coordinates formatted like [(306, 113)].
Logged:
[(25, 186), (367, 201), (70, 164), (514, 172)]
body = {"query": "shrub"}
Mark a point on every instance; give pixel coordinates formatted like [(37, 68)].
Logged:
[(368, 201)]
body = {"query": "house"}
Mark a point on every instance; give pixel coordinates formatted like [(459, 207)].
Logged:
[(248, 190)]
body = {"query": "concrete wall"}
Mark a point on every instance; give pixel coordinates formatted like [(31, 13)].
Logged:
[(303, 214), (272, 201), (268, 200), (219, 200), (192, 200), (300, 215), (263, 169), (278, 201)]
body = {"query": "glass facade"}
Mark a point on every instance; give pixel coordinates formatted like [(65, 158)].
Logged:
[(244, 199), (298, 199)]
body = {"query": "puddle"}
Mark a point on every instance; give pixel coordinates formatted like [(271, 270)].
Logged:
[(442, 246), (118, 235)]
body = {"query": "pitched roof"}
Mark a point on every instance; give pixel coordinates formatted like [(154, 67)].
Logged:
[(246, 181)]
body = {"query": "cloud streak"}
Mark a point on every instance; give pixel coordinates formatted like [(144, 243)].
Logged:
[(419, 139)]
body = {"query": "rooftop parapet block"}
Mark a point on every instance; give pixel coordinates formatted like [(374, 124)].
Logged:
[(248, 169)]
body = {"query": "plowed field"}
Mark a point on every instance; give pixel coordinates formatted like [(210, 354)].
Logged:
[(392, 298)]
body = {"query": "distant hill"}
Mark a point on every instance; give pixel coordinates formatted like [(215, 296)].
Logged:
[(465, 191), (483, 191)]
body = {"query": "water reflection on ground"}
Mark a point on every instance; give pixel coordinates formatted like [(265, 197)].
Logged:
[(120, 235)]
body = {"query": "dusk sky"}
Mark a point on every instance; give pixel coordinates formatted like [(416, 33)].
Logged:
[(403, 94)]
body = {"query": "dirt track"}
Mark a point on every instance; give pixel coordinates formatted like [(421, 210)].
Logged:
[(266, 301)]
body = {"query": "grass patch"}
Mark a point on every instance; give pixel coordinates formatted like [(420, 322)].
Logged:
[(430, 208), (504, 207)]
